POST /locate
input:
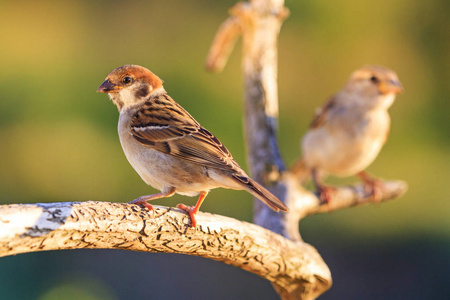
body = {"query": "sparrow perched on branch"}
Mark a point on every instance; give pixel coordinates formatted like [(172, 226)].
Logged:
[(348, 132), (168, 148)]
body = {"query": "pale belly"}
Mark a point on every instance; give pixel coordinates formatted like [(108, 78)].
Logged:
[(342, 153)]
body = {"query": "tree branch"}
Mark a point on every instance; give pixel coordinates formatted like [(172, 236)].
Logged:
[(303, 203), (223, 44), (295, 268), (98, 225), (355, 195)]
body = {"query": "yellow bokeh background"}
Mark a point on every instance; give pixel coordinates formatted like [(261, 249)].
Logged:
[(58, 136)]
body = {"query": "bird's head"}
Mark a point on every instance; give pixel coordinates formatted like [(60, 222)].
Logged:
[(130, 85), (374, 86)]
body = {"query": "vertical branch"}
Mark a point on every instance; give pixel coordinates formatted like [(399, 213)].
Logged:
[(259, 64), (263, 20)]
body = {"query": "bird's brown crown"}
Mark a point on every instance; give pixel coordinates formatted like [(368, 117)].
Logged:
[(128, 74)]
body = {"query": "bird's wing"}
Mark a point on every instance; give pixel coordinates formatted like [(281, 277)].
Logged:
[(322, 113), (165, 126)]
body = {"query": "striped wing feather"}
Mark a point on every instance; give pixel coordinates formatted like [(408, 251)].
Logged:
[(165, 126)]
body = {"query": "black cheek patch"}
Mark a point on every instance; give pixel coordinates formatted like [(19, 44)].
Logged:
[(142, 92)]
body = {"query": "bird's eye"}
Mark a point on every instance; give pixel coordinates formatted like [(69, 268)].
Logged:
[(127, 80), (374, 79)]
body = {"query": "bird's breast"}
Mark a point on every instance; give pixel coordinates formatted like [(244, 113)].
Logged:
[(348, 145)]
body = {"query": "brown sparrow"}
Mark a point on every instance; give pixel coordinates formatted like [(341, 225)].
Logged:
[(348, 132), (168, 148)]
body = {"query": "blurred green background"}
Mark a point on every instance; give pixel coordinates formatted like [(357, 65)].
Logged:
[(59, 140)]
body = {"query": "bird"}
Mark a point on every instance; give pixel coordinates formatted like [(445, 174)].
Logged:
[(349, 130), (168, 148)]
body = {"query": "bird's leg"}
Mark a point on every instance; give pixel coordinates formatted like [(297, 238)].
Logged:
[(372, 186), (193, 210), (325, 191), (143, 199)]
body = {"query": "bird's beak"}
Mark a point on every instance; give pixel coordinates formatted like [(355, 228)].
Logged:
[(108, 87), (390, 87)]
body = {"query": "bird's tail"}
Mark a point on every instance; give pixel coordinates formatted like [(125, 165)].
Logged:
[(300, 170), (261, 193)]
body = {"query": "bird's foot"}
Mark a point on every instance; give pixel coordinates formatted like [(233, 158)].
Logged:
[(143, 201), (373, 187), (191, 210), (326, 193)]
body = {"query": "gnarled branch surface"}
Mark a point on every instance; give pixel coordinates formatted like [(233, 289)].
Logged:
[(96, 225), (295, 268)]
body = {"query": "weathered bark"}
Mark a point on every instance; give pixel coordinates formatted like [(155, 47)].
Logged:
[(294, 267), (95, 225)]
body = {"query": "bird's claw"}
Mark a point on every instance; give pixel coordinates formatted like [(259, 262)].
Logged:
[(191, 211), (326, 193), (145, 204)]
